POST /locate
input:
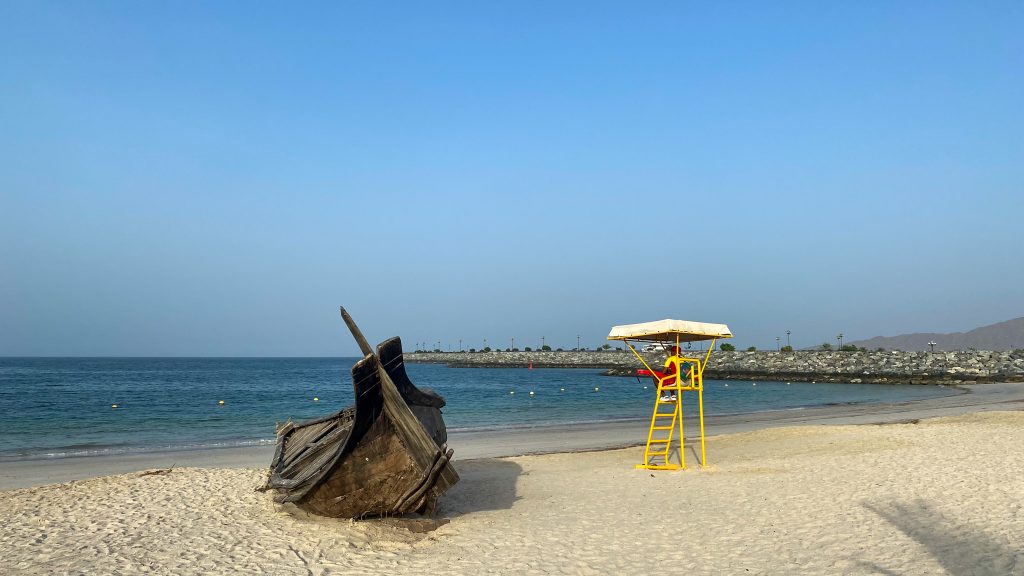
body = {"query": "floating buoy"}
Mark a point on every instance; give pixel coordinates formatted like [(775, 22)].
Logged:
[(562, 389), (512, 392), (596, 388), (316, 399), (726, 385), (753, 383), (645, 387), (113, 405), (787, 383), (531, 392), (220, 402)]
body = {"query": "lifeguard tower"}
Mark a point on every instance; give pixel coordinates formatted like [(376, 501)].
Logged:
[(671, 383)]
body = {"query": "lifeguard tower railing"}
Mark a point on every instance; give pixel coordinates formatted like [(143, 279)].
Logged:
[(670, 386)]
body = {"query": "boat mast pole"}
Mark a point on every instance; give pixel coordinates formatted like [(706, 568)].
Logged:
[(364, 346)]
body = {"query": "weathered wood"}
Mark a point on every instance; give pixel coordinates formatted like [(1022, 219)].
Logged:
[(424, 403), (364, 346), (383, 456)]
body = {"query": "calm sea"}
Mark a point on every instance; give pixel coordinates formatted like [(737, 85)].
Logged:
[(59, 407)]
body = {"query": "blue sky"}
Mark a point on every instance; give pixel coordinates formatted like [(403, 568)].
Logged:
[(215, 179)]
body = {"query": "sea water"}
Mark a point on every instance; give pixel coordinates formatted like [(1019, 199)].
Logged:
[(61, 407)]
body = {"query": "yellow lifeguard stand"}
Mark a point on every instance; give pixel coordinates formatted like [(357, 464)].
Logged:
[(670, 386)]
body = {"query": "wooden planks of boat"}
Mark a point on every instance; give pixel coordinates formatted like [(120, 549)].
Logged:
[(385, 455)]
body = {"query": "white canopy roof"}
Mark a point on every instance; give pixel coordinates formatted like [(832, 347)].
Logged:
[(667, 330)]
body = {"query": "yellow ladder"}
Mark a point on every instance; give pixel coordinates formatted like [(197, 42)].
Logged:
[(659, 446)]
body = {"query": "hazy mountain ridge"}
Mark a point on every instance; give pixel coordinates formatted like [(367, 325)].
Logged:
[(1008, 335)]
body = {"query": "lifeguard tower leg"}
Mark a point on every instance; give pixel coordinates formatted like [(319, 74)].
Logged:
[(679, 400), (700, 402), (682, 436)]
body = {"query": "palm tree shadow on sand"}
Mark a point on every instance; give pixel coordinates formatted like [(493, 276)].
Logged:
[(959, 548), (484, 484)]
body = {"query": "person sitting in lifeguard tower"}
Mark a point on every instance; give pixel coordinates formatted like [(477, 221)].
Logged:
[(673, 364)]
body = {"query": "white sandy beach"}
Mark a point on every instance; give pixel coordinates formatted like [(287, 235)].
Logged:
[(944, 495)]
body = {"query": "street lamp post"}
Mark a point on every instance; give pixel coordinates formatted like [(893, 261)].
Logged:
[(840, 338), (460, 344), (542, 344), (788, 345), (577, 342), (777, 349), (932, 344), (485, 343)]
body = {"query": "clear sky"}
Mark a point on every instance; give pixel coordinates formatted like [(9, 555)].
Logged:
[(216, 178)]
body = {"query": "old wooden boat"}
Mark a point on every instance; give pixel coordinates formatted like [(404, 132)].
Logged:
[(386, 455)]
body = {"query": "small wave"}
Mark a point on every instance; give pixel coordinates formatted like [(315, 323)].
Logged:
[(85, 450), (543, 424), (749, 412)]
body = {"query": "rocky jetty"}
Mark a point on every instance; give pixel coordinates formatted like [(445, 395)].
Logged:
[(880, 367), (613, 359)]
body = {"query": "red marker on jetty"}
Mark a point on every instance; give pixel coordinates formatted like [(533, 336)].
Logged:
[(530, 367)]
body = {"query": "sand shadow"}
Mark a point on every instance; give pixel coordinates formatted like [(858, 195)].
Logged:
[(958, 547), (485, 484), (692, 455)]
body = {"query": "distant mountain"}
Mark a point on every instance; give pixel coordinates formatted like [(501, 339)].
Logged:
[(1007, 335)]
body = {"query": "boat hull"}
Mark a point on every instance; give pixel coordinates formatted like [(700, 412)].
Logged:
[(383, 456)]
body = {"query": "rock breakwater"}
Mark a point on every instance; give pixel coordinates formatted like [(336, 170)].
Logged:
[(880, 367)]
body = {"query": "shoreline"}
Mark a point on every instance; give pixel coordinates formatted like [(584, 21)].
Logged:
[(509, 442), (118, 448)]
